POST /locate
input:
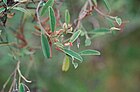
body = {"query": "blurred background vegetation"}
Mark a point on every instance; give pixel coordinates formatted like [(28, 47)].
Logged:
[(116, 70)]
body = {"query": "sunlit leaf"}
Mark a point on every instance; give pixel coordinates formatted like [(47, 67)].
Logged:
[(66, 64), (45, 46), (89, 52), (5, 2), (73, 54), (52, 19), (67, 17), (87, 42), (45, 7), (107, 5), (2, 9), (115, 28), (21, 87), (75, 36), (118, 20)]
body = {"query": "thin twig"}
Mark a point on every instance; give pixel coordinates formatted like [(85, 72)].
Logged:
[(5, 84), (26, 87), (38, 18), (14, 79), (82, 15), (20, 74), (103, 14)]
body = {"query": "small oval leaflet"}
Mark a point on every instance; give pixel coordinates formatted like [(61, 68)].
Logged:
[(118, 20), (66, 64), (89, 52), (75, 36), (21, 87), (73, 54), (87, 42), (45, 46), (52, 19), (67, 17), (45, 7)]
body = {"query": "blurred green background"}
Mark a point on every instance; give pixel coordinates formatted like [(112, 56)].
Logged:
[(116, 70)]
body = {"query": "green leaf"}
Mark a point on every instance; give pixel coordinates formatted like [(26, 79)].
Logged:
[(87, 42), (21, 9), (95, 2), (45, 7), (89, 52), (75, 36), (82, 33), (2, 9), (21, 87), (5, 2), (107, 5), (66, 64), (99, 31), (73, 54), (45, 46), (67, 17), (118, 20), (52, 19)]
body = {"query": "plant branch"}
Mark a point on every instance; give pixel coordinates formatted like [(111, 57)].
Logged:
[(103, 14), (38, 18)]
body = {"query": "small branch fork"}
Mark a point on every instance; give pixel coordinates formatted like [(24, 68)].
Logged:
[(14, 82), (87, 10)]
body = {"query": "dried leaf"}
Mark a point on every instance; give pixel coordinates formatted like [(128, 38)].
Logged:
[(66, 64)]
